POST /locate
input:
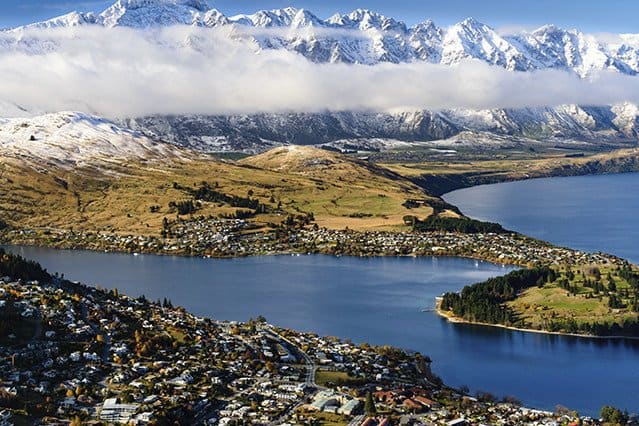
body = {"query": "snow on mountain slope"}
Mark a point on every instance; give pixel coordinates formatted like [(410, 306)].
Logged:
[(146, 13), (70, 139), (553, 47), (366, 37), (257, 132), (70, 20), (626, 118), (618, 124), (363, 37), (425, 40), (269, 18), (472, 39)]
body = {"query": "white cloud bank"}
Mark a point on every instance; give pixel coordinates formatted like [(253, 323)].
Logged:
[(180, 70)]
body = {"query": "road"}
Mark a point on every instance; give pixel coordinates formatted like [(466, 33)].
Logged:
[(311, 369)]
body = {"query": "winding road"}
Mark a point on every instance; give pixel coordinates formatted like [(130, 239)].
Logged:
[(311, 369)]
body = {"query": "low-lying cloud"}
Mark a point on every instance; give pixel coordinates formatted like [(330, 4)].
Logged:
[(184, 70)]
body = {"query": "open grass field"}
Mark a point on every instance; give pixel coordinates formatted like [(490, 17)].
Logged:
[(339, 191), (536, 306), (134, 198), (331, 378), (328, 419), (474, 172)]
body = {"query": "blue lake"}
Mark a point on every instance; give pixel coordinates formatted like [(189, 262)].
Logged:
[(592, 213), (378, 300)]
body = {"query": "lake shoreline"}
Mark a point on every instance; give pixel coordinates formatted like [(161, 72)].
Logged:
[(456, 320), (511, 249), (617, 162), (65, 243), (272, 253), (413, 277)]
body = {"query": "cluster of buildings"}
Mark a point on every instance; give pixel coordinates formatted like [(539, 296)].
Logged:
[(78, 353), (74, 351), (330, 401), (502, 248), (234, 237)]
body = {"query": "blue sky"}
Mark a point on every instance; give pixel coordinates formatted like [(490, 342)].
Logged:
[(587, 15)]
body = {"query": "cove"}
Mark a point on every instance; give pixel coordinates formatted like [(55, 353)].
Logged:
[(381, 301)]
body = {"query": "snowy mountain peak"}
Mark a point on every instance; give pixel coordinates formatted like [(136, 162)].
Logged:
[(471, 22), (287, 11), (427, 25), (268, 18), (213, 18), (554, 33), (372, 38), (304, 18), (547, 29), (202, 6), (73, 19), (360, 15), (364, 19), (146, 13), (472, 28)]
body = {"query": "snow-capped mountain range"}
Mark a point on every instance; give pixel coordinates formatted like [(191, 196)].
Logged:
[(366, 37), (597, 126), (363, 37)]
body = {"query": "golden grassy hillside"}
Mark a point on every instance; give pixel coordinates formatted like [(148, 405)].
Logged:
[(135, 197), (523, 168), (342, 191)]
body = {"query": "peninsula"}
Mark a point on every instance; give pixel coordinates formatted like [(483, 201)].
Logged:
[(310, 201)]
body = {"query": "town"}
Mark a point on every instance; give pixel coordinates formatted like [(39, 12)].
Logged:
[(72, 354), (214, 237)]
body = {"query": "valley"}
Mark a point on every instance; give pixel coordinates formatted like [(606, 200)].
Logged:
[(135, 195)]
